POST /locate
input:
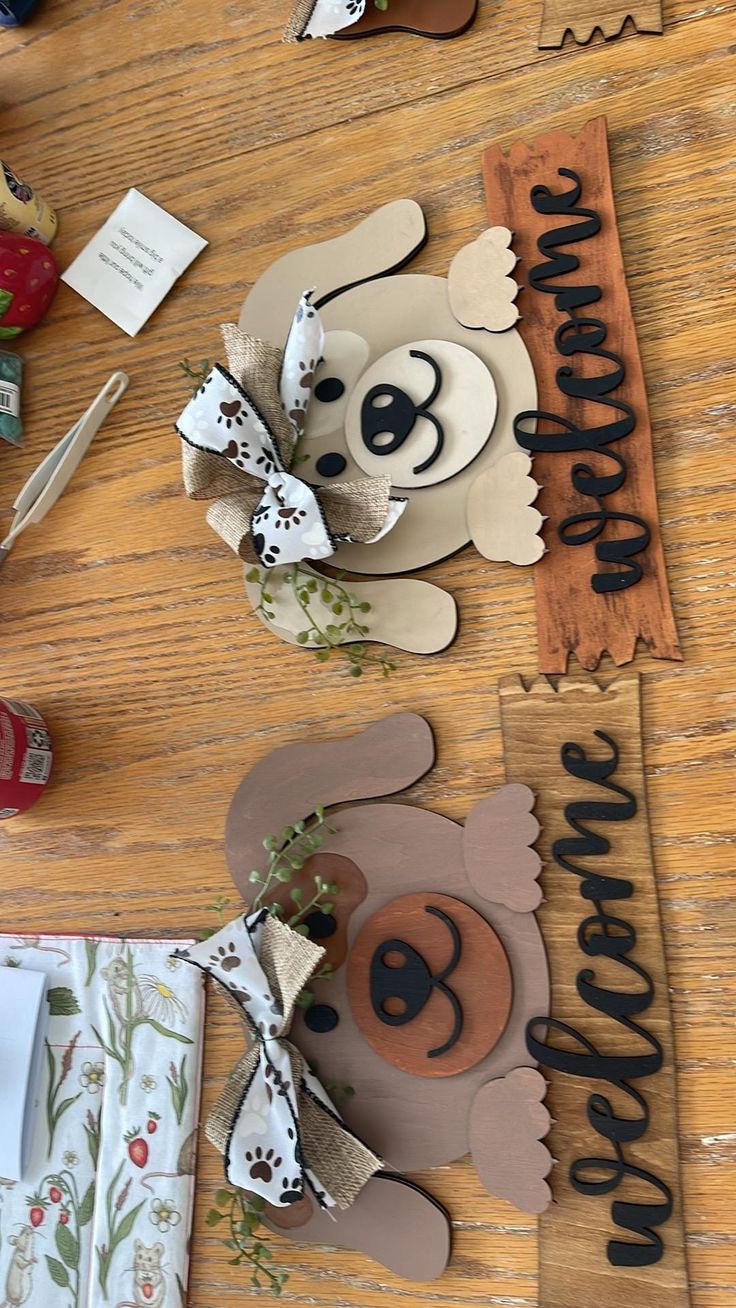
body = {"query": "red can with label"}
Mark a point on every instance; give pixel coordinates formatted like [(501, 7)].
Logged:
[(26, 756)]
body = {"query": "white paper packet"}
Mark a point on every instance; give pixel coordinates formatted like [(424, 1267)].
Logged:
[(132, 262)]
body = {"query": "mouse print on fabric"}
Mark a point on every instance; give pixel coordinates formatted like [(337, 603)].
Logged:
[(19, 1274), (437, 961), (149, 1282)]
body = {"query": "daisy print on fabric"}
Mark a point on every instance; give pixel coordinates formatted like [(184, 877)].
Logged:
[(134, 1002)]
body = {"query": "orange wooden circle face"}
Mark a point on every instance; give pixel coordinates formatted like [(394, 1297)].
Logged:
[(429, 984)]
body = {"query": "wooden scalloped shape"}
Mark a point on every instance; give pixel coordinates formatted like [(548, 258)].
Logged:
[(582, 20)]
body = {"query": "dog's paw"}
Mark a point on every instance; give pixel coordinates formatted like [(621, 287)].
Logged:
[(502, 519), (481, 292), (508, 1122), (498, 840)]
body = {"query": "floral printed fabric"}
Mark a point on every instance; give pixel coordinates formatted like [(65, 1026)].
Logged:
[(104, 1212)]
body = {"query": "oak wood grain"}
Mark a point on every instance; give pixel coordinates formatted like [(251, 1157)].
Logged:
[(123, 616)]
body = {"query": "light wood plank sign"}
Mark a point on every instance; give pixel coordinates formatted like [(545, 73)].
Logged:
[(602, 583), (614, 1234)]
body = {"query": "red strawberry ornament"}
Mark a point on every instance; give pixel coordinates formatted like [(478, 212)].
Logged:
[(28, 281), (36, 1215)]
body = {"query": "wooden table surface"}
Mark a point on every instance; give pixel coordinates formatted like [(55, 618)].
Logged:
[(123, 617)]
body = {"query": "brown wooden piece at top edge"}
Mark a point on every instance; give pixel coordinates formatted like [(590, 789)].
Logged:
[(583, 17), (571, 617), (575, 1230), (436, 18)]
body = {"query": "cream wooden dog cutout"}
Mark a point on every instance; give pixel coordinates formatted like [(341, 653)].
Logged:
[(404, 389), (452, 1075)]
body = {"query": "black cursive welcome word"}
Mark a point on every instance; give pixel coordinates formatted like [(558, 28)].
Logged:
[(584, 335), (605, 935)]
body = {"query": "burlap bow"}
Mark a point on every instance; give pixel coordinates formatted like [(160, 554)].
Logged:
[(239, 431), (274, 1124)]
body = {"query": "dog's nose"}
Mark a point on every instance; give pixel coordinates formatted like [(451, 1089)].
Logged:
[(429, 984), (388, 415), (421, 413)]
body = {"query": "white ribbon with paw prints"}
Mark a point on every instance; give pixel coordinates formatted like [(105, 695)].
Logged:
[(322, 17), (280, 1134), (252, 425)]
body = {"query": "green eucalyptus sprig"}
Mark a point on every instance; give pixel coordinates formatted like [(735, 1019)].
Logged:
[(218, 906), (344, 606), (242, 1212), (196, 372), (287, 855)]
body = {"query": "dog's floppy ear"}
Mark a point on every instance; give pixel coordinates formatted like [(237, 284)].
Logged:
[(393, 1220), (380, 244), (287, 785)]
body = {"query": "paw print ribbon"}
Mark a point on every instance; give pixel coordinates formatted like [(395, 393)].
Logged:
[(322, 18), (240, 430), (277, 1129)]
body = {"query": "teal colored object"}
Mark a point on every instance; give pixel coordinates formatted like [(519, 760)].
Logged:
[(11, 373)]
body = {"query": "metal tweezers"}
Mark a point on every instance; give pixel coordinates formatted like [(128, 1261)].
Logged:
[(46, 483)]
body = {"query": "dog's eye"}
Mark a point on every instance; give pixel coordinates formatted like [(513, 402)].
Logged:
[(329, 389), (331, 465), (320, 925), (321, 1018)]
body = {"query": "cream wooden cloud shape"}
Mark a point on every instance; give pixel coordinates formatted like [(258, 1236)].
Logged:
[(481, 292), (502, 519)]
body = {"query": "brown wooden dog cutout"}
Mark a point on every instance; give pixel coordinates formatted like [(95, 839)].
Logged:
[(438, 959), (405, 390)]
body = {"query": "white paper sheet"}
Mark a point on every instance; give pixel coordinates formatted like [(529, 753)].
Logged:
[(23, 1021), (132, 262)]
